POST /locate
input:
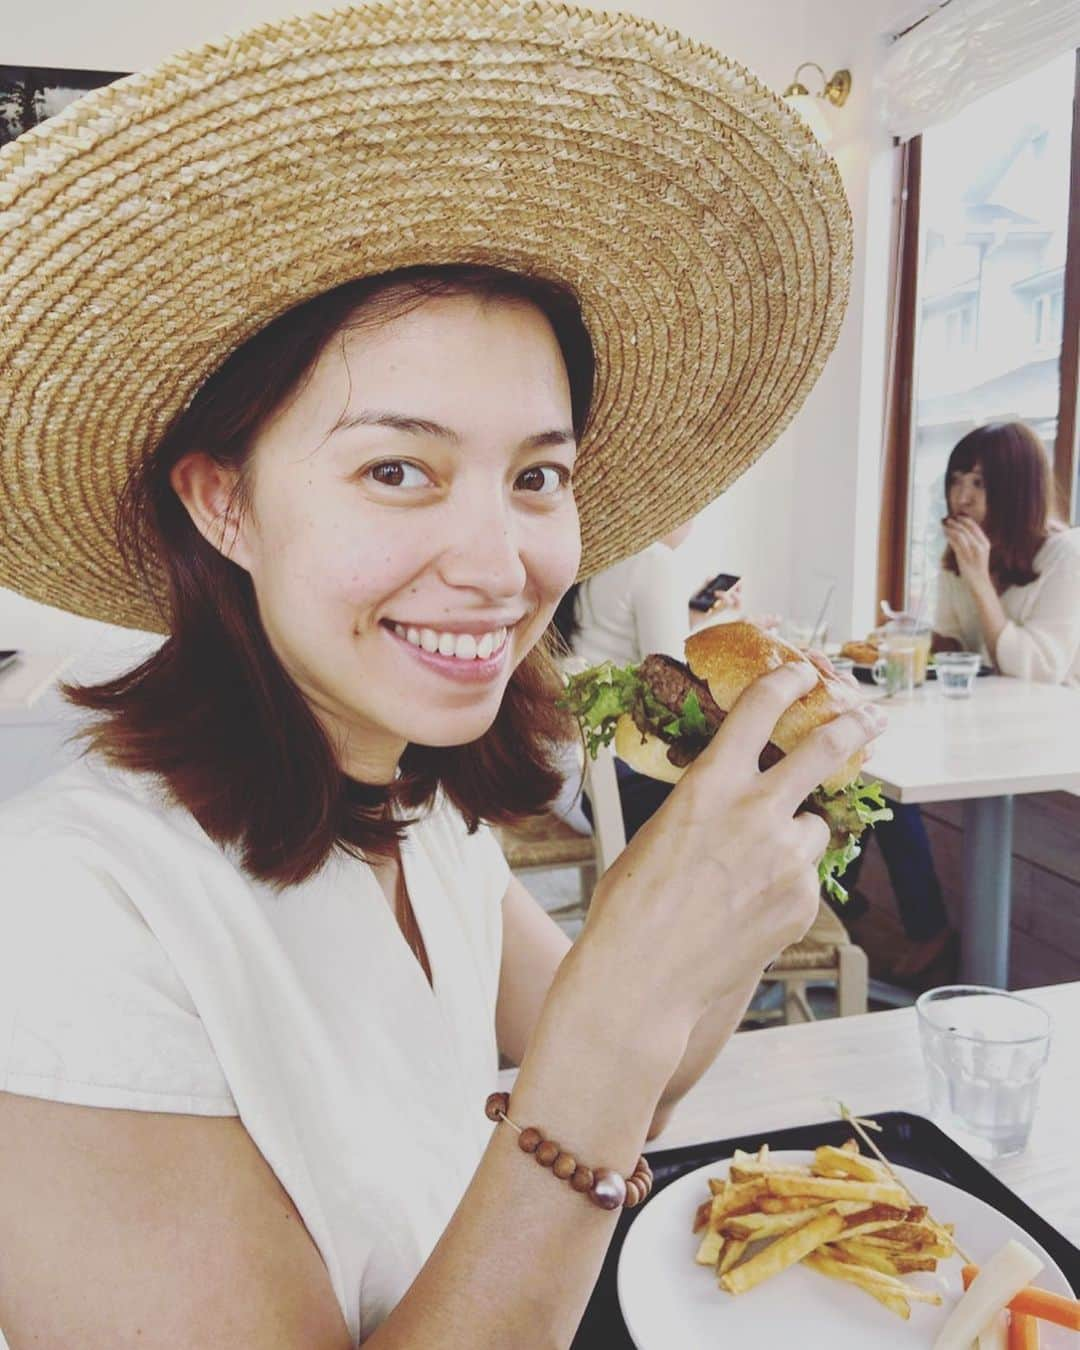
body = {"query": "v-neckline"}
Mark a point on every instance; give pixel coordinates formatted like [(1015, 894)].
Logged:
[(403, 895)]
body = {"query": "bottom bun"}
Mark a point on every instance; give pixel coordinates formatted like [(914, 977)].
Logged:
[(645, 754)]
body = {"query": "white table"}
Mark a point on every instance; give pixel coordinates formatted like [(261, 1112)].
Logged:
[(1010, 737), (791, 1075)]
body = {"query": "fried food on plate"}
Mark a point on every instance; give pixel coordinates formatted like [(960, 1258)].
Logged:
[(843, 1216)]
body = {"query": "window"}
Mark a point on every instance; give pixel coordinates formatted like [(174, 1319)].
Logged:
[(989, 307)]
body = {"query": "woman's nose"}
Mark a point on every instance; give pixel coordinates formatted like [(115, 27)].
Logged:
[(485, 556)]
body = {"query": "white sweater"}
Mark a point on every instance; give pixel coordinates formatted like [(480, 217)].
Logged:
[(1041, 640), (636, 607)]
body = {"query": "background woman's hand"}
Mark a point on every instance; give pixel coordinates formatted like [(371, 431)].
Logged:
[(724, 875), (970, 547)]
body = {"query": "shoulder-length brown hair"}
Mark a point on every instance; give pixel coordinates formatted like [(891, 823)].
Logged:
[(1016, 473), (213, 711)]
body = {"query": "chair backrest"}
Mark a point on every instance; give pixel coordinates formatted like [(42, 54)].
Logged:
[(609, 833)]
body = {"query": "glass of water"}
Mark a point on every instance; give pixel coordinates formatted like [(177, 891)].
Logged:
[(956, 672), (984, 1050)]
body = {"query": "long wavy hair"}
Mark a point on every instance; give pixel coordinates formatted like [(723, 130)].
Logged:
[(1016, 471), (214, 713)]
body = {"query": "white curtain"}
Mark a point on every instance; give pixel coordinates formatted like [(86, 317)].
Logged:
[(959, 50)]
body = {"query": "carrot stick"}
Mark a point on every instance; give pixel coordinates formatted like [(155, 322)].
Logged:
[(1039, 1303), (1023, 1332)]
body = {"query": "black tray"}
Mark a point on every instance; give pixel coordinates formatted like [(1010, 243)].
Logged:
[(908, 1140)]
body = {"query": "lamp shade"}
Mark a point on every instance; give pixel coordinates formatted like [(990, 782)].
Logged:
[(812, 112)]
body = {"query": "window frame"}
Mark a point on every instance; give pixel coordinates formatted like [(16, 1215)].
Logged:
[(895, 516)]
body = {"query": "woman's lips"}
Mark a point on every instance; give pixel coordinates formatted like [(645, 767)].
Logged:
[(465, 670)]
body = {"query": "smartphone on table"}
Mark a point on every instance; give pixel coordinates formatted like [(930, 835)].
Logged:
[(704, 599)]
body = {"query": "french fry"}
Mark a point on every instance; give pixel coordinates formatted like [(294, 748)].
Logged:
[(783, 1204), (754, 1226), (701, 1215), (839, 1270), (890, 1283), (733, 1251), (837, 1188), (829, 1161), (710, 1247), (784, 1252)]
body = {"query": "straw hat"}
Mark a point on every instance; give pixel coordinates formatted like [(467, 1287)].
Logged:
[(154, 225)]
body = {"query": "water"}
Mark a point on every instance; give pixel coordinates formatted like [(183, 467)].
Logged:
[(989, 1117), (984, 1051), (955, 683)]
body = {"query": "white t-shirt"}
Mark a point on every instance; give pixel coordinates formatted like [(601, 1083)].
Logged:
[(636, 607), (1041, 641), (141, 968)]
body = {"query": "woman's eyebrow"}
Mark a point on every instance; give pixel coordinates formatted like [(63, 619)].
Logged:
[(422, 426)]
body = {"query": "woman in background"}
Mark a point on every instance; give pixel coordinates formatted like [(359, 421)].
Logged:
[(1010, 579), (1009, 588)]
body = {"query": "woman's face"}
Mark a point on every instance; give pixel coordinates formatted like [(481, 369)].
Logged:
[(413, 524), (967, 494)]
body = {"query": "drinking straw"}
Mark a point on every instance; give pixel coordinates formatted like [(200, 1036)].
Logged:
[(821, 616)]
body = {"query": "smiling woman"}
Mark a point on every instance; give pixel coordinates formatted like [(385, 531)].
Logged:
[(297, 528), (334, 351)]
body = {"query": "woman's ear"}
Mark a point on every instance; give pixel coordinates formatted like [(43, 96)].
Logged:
[(207, 490)]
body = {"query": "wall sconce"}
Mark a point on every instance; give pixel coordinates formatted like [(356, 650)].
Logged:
[(835, 90)]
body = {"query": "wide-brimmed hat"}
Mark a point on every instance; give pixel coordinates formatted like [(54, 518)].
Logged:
[(154, 225)]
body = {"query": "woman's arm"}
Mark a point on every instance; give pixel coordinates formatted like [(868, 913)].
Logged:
[(1044, 646), (533, 949), (971, 548)]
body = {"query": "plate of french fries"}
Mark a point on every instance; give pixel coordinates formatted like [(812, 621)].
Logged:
[(827, 1248)]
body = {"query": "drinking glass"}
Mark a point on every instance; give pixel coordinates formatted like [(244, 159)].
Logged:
[(907, 628), (984, 1050), (895, 667), (956, 672)]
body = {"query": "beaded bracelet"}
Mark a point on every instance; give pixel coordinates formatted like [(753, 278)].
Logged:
[(603, 1186)]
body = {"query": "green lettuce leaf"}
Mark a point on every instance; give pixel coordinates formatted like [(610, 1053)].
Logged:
[(849, 812)]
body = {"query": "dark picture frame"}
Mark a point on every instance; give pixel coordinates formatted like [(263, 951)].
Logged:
[(30, 94)]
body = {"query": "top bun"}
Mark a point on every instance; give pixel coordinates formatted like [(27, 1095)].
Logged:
[(729, 656)]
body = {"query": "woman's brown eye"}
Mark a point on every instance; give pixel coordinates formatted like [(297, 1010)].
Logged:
[(545, 478), (397, 473)]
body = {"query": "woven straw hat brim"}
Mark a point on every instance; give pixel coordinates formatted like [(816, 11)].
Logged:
[(156, 224)]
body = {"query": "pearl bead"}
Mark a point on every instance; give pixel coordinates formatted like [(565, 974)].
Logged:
[(608, 1188)]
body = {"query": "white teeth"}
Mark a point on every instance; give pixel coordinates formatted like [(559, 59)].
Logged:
[(464, 647)]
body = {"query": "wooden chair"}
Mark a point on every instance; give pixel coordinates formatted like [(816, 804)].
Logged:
[(547, 843), (825, 955)]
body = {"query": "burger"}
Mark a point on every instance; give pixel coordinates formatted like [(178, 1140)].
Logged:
[(662, 713)]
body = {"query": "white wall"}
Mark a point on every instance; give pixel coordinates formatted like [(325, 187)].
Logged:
[(806, 514)]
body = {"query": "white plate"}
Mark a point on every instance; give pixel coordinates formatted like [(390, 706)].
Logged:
[(669, 1302)]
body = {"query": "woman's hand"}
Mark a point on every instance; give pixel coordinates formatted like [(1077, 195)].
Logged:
[(971, 549), (724, 875), (729, 600)]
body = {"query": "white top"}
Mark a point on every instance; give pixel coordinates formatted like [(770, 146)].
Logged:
[(1041, 641), (141, 968), (634, 608)]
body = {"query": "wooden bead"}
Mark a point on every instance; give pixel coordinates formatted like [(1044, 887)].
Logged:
[(529, 1140), (608, 1189), (546, 1154), (635, 1193), (564, 1166), (497, 1105), (582, 1179)]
